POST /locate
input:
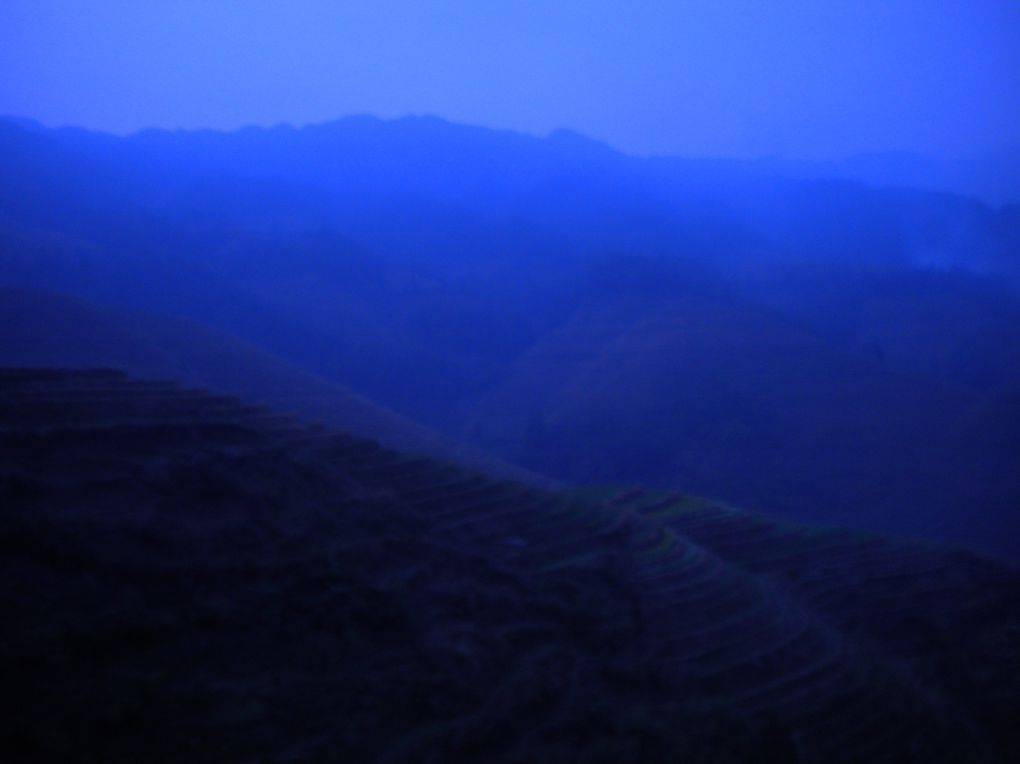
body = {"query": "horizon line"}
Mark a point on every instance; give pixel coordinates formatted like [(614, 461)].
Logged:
[(563, 131)]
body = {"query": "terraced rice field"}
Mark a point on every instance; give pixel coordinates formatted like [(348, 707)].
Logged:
[(235, 584)]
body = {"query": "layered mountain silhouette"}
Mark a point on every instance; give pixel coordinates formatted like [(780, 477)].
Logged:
[(205, 580), (790, 339)]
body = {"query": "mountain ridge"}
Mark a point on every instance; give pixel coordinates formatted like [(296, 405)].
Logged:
[(993, 175)]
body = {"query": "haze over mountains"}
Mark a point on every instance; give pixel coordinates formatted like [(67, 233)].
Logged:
[(993, 177), (790, 339), (656, 401)]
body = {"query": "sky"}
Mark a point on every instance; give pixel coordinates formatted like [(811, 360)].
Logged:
[(743, 78)]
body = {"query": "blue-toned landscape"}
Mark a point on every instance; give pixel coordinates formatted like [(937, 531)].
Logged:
[(657, 401)]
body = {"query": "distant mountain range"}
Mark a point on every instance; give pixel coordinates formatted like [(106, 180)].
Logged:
[(781, 336), (993, 177)]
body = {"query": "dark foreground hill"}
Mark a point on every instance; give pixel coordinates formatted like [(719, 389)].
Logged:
[(190, 579)]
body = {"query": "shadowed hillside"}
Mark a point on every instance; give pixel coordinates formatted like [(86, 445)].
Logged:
[(46, 329), (732, 400), (209, 581)]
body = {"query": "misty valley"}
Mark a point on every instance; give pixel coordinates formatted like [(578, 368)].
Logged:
[(408, 441)]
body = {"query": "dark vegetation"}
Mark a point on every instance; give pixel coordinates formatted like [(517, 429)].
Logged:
[(189, 578), (797, 342)]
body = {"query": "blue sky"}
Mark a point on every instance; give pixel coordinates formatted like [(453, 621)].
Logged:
[(702, 77)]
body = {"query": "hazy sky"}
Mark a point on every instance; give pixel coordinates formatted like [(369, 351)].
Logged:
[(811, 78)]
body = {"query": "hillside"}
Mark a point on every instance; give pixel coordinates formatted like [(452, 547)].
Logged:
[(727, 399), (221, 583), (48, 329)]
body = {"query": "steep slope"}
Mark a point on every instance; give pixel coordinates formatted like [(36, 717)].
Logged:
[(212, 582), (46, 329)]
